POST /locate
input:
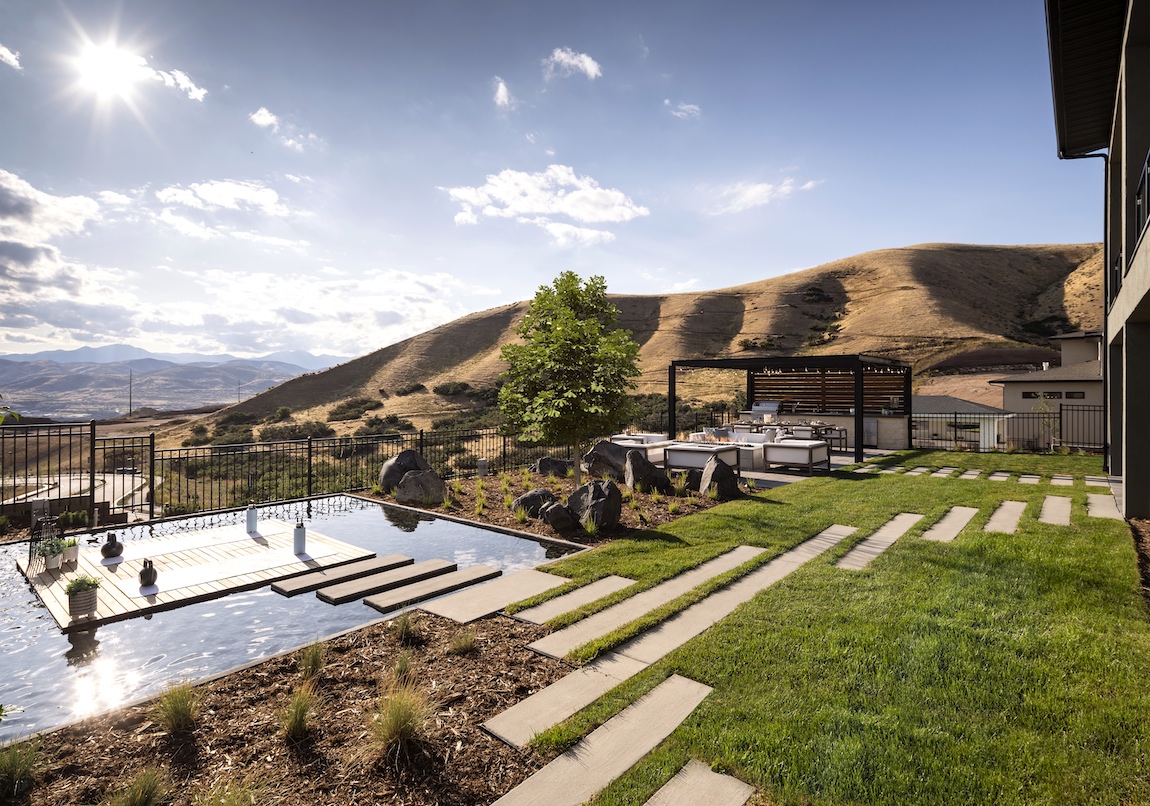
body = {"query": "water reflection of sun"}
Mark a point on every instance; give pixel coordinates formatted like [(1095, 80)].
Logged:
[(103, 686)]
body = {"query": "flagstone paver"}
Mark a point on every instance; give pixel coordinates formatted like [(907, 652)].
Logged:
[(917, 471), (612, 749), (1005, 518), (1102, 506), (950, 524), (1055, 510), (998, 475), (698, 785), (1028, 478), (943, 472), (1062, 481), (540, 614), (883, 538), (970, 474), (559, 643), (1097, 481), (491, 597)]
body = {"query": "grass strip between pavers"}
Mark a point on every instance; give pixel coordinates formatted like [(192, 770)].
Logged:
[(992, 669)]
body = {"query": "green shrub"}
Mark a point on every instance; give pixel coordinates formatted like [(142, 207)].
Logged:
[(310, 428), (5, 524), (410, 389), (281, 414), (178, 708), (174, 510), (81, 584), (451, 388), (148, 788), (73, 520), (18, 768), (352, 408)]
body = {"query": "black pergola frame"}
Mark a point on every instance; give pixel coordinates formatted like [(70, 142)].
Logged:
[(855, 364)]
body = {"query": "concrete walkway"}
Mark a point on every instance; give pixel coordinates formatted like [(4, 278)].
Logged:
[(950, 524), (1055, 510), (943, 472), (883, 538), (541, 614), (1102, 506), (998, 475), (613, 748), (697, 785), (491, 597), (970, 474), (890, 470), (918, 471), (1097, 481), (1006, 517)]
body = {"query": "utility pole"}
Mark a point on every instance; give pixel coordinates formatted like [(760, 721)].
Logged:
[(129, 393)]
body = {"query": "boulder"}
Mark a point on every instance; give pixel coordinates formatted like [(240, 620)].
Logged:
[(395, 468), (720, 474), (598, 501), (420, 487), (638, 473), (694, 476), (606, 460), (558, 517), (547, 466), (533, 501)]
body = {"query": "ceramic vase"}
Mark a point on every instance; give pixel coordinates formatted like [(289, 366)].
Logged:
[(112, 547), (148, 574)]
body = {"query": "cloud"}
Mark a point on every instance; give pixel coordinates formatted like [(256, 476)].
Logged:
[(28, 214), (185, 226), (180, 79), (683, 111), (297, 142), (10, 58), (228, 193), (740, 196), (503, 97), (537, 198), (270, 240), (566, 62), (263, 118), (114, 199)]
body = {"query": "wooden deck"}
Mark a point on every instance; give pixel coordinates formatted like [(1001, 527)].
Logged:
[(194, 567)]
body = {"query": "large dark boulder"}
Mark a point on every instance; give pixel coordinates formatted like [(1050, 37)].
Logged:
[(606, 460), (398, 466), (533, 501), (694, 476), (558, 517), (420, 487), (639, 474), (720, 475), (597, 501), (548, 466)]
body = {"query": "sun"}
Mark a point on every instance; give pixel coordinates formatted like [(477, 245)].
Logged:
[(109, 71)]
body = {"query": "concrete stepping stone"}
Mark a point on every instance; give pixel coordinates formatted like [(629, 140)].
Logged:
[(888, 470), (579, 689), (1055, 510), (613, 748), (917, 471), (559, 643), (950, 524), (970, 474), (998, 475), (340, 573), (436, 586), (1102, 506), (1006, 517), (865, 469), (1062, 481), (491, 597), (943, 472), (1028, 478), (861, 555), (541, 614), (1097, 481), (358, 588), (698, 785)]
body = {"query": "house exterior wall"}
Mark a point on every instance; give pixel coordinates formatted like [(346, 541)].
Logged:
[(1032, 395), (1077, 351)]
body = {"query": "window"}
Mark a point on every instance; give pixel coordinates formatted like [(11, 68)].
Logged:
[(1075, 395), (1030, 395), (1051, 395)]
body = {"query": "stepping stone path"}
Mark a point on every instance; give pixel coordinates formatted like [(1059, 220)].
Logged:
[(1055, 510), (1027, 478), (429, 588), (613, 748), (491, 597), (559, 643), (1006, 517), (570, 694), (1102, 506), (865, 469), (541, 614), (970, 474), (358, 588), (943, 472), (860, 556), (340, 573), (898, 469), (918, 471), (998, 475), (698, 785), (1097, 481), (1062, 481), (950, 524)]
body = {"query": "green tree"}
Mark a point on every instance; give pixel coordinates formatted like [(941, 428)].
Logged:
[(567, 382)]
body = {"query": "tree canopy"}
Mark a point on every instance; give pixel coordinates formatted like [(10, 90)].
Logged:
[(567, 382)]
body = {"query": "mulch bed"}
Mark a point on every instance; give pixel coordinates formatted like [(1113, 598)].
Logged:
[(238, 734), (1141, 530)]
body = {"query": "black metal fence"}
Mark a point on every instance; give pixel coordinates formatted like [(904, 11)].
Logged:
[(1072, 428), (67, 468)]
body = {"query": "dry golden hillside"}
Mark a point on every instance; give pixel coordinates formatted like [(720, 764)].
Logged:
[(920, 304)]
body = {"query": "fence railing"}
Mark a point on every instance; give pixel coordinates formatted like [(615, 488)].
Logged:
[(1074, 427), (64, 468)]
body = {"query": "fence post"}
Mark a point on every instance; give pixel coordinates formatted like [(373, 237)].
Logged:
[(1061, 426), (92, 472), (151, 475), (421, 442), (310, 472)]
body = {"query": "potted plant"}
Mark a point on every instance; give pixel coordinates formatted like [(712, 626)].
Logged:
[(82, 593), (52, 550), (71, 550)]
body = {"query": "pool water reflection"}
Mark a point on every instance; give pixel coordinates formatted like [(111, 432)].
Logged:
[(51, 679)]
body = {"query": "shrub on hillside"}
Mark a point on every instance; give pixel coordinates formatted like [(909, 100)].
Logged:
[(410, 389), (309, 428), (391, 424), (352, 408), (451, 388), (281, 414)]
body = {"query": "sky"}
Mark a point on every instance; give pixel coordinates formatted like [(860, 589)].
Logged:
[(246, 177)]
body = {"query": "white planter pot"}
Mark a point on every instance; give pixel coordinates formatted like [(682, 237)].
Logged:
[(53, 562), (71, 554)]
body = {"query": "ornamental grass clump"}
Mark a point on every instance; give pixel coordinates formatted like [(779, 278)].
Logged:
[(508, 500), (679, 484), (231, 793), (400, 719), (149, 788), (311, 660), (673, 507), (18, 768), (407, 629), (463, 643), (521, 515), (178, 708), (296, 715), (402, 672)]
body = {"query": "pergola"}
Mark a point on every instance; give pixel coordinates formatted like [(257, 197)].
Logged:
[(816, 384)]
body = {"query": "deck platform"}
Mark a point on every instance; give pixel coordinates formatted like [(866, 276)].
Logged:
[(193, 567)]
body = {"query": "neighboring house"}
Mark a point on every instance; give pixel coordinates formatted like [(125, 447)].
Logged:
[(1078, 382), (945, 421), (1100, 74)]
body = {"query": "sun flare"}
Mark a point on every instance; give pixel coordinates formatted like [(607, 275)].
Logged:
[(109, 71)]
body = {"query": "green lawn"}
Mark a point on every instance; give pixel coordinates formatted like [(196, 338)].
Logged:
[(993, 669)]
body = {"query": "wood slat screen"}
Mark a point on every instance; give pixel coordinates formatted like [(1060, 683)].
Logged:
[(829, 390)]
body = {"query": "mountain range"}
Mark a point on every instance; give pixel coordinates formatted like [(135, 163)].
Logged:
[(112, 353)]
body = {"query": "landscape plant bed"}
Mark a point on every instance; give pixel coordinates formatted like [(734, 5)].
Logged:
[(238, 735)]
